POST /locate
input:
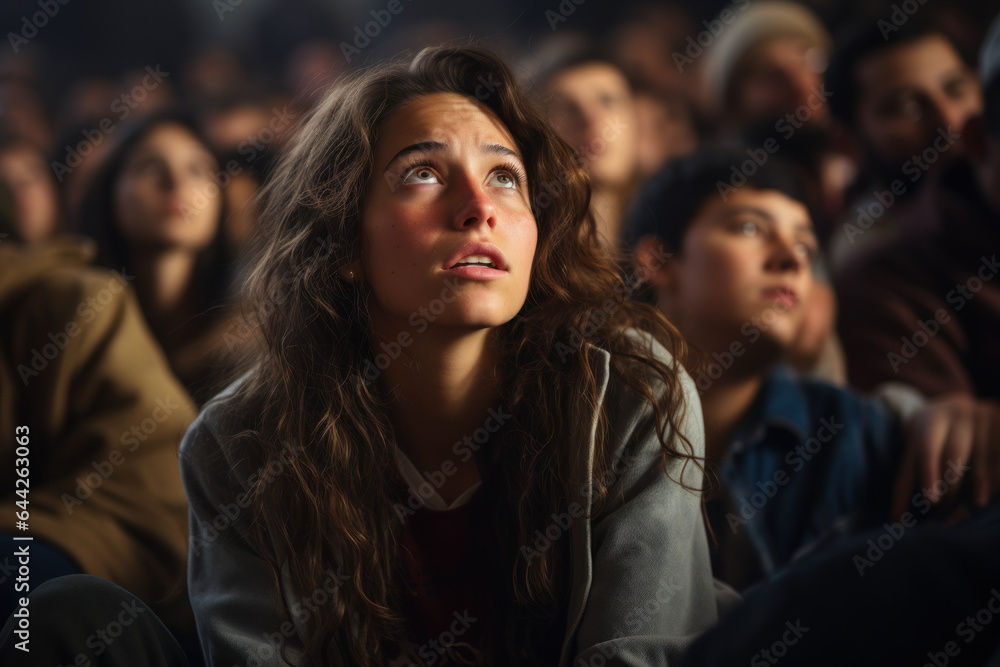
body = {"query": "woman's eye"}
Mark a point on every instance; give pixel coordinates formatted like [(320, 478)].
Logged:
[(749, 228), (501, 179), (419, 175)]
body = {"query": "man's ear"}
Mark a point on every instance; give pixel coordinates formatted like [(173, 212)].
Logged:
[(653, 261), (976, 140)]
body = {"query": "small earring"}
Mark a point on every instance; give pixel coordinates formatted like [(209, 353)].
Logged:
[(350, 275)]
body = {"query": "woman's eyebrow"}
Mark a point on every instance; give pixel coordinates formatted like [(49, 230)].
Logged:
[(419, 147), (437, 146), (500, 149)]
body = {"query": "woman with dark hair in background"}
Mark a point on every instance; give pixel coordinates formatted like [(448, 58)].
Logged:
[(457, 441), (156, 211)]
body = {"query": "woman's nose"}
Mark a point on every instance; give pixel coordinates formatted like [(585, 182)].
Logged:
[(475, 206)]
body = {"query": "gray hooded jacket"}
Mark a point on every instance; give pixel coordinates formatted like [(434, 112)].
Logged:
[(642, 585)]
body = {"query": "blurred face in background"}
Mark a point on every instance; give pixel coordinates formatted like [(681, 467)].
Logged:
[(743, 273), (165, 196), (592, 107), (908, 94), (36, 200), (776, 78)]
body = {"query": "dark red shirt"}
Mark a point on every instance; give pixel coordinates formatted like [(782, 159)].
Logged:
[(446, 559)]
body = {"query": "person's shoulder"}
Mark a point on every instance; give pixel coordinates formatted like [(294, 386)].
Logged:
[(628, 408), (57, 273), (824, 399), (652, 348), (217, 422)]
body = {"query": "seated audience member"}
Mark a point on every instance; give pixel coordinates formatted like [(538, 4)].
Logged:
[(420, 182), (25, 170), (156, 211), (924, 308), (85, 390), (801, 462), (590, 103), (769, 61), (765, 76), (900, 102)]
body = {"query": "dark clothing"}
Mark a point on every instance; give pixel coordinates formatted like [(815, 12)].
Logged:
[(446, 558), (919, 603), (47, 562), (82, 615), (924, 308), (809, 463)]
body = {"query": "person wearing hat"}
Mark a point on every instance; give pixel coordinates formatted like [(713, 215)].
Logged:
[(768, 62), (764, 75)]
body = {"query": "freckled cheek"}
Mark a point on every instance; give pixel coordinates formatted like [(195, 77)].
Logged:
[(398, 239)]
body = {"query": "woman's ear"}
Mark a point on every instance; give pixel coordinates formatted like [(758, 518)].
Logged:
[(654, 263), (352, 273)]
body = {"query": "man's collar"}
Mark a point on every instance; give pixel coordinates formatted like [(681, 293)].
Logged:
[(779, 404)]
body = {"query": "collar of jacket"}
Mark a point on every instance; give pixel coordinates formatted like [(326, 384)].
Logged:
[(779, 404), (581, 563)]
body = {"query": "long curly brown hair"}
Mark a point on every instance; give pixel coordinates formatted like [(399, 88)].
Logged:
[(333, 505)]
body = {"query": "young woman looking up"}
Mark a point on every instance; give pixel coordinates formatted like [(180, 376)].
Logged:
[(457, 442)]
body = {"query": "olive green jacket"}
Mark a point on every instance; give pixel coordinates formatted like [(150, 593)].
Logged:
[(81, 372)]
